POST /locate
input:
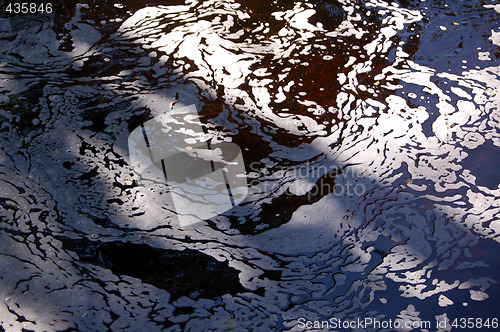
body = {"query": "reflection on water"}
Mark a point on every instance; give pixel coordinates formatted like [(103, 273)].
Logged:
[(397, 100)]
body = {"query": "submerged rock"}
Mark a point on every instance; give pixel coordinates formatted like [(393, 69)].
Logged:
[(329, 13), (181, 273)]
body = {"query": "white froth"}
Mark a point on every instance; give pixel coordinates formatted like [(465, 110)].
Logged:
[(443, 301), (495, 37), (496, 7)]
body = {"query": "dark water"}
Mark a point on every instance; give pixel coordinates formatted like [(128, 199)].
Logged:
[(369, 133)]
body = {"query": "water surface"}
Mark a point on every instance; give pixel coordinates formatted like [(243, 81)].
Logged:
[(369, 132)]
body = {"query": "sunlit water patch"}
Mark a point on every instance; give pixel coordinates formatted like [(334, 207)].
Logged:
[(368, 138)]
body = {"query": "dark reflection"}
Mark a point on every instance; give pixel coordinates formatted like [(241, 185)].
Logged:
[(329, 13), (280, 209), (483, 162), (181, 273)]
